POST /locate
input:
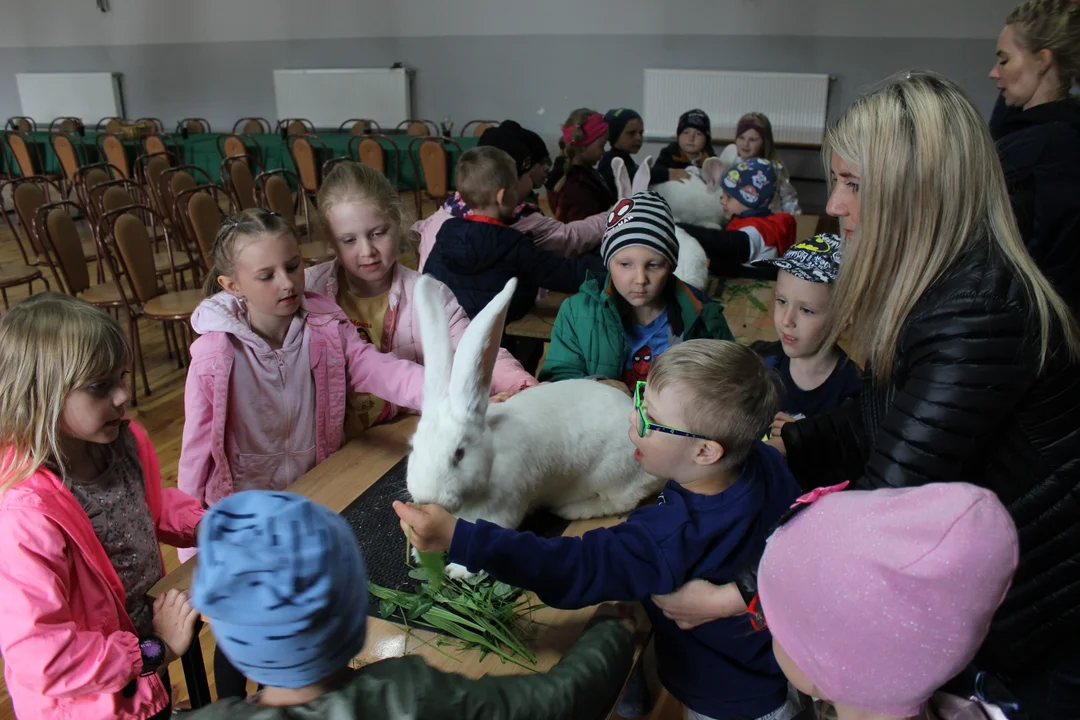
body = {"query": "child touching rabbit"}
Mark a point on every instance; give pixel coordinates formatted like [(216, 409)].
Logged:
[(875, 599), (619, 323), (362, 214), (266, 391), (754, 139), (580, 191), (698, 421), (692, 146), (82, 512), (570, 239), (626, 134)]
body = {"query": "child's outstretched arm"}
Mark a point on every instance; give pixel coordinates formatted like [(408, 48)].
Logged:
[(571, 239), (382, 374), (623, 562), (549, 270), (41, 644)]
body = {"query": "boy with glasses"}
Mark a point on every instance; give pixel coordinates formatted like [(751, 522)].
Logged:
[(698, 421)]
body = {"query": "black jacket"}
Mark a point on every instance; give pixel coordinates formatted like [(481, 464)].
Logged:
[(968, 402), (1040, 153), (476, 259), (657, 174), (672, 157)]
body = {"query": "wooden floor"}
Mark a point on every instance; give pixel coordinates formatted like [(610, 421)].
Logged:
[(162, 413)]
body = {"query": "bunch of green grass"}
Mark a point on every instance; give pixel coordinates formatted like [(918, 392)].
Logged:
[(476, 612)]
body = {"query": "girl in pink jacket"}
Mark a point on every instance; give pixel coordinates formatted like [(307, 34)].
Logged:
[(82, 512), (363, 215)]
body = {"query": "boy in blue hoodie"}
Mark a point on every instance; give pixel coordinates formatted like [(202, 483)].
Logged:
[(699, 420)]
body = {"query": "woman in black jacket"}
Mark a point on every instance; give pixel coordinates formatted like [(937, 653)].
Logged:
[(1036, 125), (973, 358)]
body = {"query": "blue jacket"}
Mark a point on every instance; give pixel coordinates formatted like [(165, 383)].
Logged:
[(720, 669), (476, 259)]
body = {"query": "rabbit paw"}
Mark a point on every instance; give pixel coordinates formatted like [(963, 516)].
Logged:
[(458, 572)]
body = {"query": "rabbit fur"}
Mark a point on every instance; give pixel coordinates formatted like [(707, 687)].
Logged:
[(563, 446), (694, 201)]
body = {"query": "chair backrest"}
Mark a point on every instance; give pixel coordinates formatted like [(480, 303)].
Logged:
[(88, 177), (359, 126), (180, 181), (241, 181), (23, 152), (110, 124), (435, 162), (21, 123), (478, 127), (156, 122), (28, 199), (60, 235), (370, 152), (306, 162), (155, 144), (64, 147), (279, 198), (137, 252), (297, 127), (115, 152), (65, 124), (417, 128), (116, 197), (194, 125), (252, 126), (233, 145), (202, 216)]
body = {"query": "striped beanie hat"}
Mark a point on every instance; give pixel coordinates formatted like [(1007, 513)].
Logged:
[(643, 219)]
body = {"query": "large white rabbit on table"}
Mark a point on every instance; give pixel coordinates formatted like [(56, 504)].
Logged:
[(693, 200), (563, 446)]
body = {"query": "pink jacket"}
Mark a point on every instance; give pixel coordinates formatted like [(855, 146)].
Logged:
[(570, 239), (401, 329), (70, 649), (339, 360)]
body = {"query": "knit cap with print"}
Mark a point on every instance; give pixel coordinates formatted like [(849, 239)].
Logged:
[(752, 182), (644, 220), (881, 597)]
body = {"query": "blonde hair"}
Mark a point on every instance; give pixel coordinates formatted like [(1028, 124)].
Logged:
[(244, 225), (50, 345), (354, 182), (735, 395), (577, 134), (931, 187), (1052, 25), (482, 172), (768, 144)]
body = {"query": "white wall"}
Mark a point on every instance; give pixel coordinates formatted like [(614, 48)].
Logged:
[(52, 23)]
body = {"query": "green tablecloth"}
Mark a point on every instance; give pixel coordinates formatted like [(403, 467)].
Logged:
[(201, 149)]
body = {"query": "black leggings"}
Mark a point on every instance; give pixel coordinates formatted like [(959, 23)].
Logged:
[(229, 681)]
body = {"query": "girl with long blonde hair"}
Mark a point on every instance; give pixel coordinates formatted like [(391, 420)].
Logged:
[(82, 512), (972, 357)]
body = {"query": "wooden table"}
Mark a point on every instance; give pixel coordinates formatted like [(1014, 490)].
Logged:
[(538, 323), (338, 481)]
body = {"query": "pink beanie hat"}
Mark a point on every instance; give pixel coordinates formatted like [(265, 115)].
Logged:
[(881, 597), (594, 127)]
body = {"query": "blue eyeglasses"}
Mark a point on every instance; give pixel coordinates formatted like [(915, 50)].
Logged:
[(645, 425)]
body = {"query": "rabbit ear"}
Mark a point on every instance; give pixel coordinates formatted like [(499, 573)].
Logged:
[(434, 338), (712, 172), (622, 177), (642, 176), (474, 361)]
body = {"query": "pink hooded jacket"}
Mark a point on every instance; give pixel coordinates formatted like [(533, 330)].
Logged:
[(401, 329), (70, 649), (339, 360), (569, 239)]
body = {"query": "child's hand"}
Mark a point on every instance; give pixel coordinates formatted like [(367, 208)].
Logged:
[(174, 622), (432, 527), (622, 612), (674, 175), (698, 602), (775, 439)]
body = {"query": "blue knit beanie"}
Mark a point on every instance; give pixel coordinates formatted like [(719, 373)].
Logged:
[(282, 580), (752, 182)]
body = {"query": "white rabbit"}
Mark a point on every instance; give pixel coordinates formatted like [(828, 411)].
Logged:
[(696, 200), (693, 267), (563, 446)]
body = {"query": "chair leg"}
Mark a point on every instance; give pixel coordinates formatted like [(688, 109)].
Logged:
[(135, 360), (142, 360), (3, 291), (168, 341), (171, 329)]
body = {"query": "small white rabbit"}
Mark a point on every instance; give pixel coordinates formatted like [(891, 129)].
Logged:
[(563, 446), (693, 267), (696, 200)]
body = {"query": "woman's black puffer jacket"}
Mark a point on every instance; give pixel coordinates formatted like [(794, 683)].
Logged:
[(967, 402)]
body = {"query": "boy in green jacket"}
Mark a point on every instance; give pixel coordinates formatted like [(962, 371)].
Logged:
[(619, 323), (282, 581)]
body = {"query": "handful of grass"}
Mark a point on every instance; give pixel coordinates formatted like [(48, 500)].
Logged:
[(475, 612)]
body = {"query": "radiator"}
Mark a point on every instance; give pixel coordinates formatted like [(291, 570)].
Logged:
[(794, 102)]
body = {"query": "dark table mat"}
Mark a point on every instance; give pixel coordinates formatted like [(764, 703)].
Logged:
[(375, 525)]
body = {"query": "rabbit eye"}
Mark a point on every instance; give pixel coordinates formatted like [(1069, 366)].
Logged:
[(459, 455)]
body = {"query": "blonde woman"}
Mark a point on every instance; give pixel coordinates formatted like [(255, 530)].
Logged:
[(973, 359), (1037, 128)]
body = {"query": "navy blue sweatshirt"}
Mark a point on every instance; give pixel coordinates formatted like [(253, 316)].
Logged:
[(476, 259), (721, 669)]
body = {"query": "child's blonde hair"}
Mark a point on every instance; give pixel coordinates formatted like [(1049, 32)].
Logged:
[(482, 172), (354, 182), (244, 225), (735, 395), (50, 345), (768, 143), (577, 134), (1053, 25)]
